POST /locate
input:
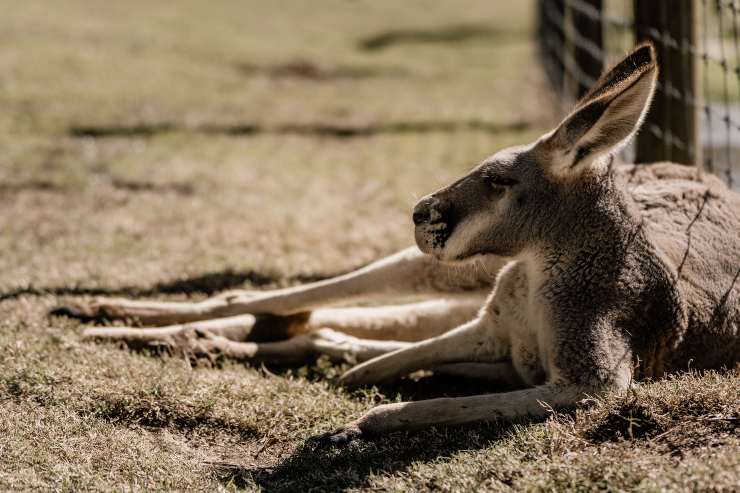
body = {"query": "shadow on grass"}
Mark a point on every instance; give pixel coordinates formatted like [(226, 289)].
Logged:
[(308, 469), (308, 70), (153, 410), (160, 413), (457, 33), (330, 130), (132, 186), (135, 186), (32, 186), (409, 389), (208, 284), (353, 466)]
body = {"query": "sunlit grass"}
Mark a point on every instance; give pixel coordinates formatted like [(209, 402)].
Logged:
[(168, 183)]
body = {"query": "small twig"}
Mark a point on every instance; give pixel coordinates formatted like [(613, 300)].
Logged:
[(721, 418), (268, 441), (661, 435)]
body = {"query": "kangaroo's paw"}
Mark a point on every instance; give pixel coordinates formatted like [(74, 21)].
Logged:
[(85, 312), (204, 345), (195, 340), (144, 312), (95, 311), (344, 436)]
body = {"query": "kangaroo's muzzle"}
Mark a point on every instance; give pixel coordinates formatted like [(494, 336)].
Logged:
[(433, 223)]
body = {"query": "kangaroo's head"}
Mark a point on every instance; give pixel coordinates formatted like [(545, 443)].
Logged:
[(511, 199)]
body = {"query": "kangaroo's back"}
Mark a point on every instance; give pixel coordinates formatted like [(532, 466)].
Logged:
[(694, 221)]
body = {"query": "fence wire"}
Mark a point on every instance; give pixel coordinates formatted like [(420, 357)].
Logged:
[(695, 118)]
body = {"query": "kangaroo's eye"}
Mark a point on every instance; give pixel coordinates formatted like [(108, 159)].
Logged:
[(500, 181)]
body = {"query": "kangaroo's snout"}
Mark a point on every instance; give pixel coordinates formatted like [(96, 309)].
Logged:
[(434, 222)]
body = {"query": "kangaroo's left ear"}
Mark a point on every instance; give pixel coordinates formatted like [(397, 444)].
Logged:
[(607, 117)]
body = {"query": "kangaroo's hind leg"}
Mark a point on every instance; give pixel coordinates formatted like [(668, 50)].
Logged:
[(213, 339), (225, 337), (299, 349), (359, 332), (406, 273)]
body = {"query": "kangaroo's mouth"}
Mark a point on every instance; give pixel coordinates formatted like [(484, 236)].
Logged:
[(432, 237), (440, 233)]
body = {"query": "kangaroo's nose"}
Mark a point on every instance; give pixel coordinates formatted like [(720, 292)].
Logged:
[(422, 211), (420, 217)]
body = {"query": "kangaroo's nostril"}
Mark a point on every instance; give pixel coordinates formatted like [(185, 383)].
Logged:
[(420, 216)]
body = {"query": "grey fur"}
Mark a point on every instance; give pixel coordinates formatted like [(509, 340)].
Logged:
[(600, 274)]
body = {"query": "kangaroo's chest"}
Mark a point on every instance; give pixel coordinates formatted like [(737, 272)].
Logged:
[(522, 318)]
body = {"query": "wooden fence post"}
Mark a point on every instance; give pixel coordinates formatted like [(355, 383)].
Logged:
[(670, 129), (588, 47)]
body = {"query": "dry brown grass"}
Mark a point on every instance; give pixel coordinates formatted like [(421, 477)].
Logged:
[(169, 151)]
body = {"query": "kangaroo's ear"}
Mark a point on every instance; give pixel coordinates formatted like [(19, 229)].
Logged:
[(608, 116)]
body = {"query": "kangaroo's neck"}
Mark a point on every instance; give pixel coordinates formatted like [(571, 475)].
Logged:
[(596, 220)]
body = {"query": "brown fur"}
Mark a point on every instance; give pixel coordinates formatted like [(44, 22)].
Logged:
[(601, 274)]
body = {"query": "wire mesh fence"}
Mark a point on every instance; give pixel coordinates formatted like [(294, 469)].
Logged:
[(695, 116)]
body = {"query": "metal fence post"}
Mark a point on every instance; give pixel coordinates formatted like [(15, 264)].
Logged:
[(671, 126), (551, 28)]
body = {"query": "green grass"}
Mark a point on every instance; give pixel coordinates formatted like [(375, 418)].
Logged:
[(168, 151)]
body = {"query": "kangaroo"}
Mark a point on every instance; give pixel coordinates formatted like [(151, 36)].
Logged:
[(551, 268)]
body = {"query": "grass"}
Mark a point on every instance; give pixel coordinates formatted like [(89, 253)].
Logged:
[(167, 152)]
